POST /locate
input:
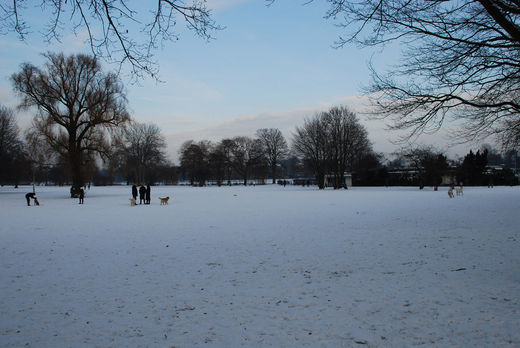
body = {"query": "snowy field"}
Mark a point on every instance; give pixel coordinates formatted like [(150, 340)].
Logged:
[(261, 266)]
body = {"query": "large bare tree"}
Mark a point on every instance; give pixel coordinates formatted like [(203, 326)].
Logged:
[(220, 161), (274, 146), (310, 142), (194, 157), (141, 148), (331, 142), (9, 134), (77, 105), (460, 61), (428, 163), (225, 147), (246, 153), (11, 147), (117, 30), (347, 141)]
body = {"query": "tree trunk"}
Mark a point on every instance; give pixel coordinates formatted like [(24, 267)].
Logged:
[(320, 178), (76, 168), (75, 172)]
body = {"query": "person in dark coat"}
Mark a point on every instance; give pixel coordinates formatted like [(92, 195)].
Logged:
[(142, 194), (81, 195), (134, 191), (29, 196), (148, 193)]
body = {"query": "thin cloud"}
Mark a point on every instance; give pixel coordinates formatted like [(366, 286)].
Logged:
[(218, 5), (286, 121)]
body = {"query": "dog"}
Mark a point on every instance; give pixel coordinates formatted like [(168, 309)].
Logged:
[(133, 202), (450, 193), (459, 191), (164, 200)]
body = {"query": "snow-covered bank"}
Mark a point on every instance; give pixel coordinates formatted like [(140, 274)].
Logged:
[(260, 266)]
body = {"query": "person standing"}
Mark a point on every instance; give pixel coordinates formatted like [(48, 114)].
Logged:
[(142, 194), (134, 191), (148, 194), (81, 195)]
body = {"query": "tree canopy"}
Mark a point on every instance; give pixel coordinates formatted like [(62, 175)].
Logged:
[(77, 103), (332, 142), (12, 157), (140, 150), (461, 60), (274, 146), (122, 31)]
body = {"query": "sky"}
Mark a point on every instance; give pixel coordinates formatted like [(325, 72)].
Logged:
[(270, 67)]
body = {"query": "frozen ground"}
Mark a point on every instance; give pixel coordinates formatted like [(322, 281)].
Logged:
[(261, 266)]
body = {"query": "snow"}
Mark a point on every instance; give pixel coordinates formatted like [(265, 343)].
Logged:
[(260, 266)]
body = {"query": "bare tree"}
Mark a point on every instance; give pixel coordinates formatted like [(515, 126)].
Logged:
[(142, 148), (117, 30), (348, 141), (460, 61), (274, 146), (40, 155), (220, 162), (195, 160), (246, 154), (9, 134), (331, 142), (429, 164), (77, 104), (310, 141), (11, 147), (224, 149)]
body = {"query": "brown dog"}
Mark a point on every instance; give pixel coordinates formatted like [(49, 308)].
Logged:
[(164, 200)]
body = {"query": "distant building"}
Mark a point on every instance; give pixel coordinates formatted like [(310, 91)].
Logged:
[(347, 180), (450, 177)]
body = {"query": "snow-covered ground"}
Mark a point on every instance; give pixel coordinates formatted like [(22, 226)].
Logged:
[(261, 266)]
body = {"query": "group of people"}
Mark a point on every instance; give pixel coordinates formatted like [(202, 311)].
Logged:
[(144, 193), (79, 192)]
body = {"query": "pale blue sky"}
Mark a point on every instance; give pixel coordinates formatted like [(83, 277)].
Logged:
[(270, 67)]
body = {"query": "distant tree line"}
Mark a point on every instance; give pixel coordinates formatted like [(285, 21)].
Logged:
[(332, 143), (82, 133), (426, 166), (137, 154), (239, 158)]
